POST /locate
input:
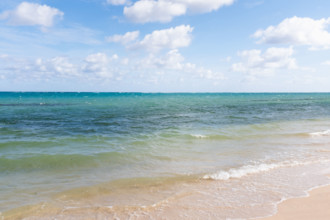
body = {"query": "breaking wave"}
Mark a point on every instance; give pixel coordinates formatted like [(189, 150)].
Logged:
[(251, 169), (320, 133)]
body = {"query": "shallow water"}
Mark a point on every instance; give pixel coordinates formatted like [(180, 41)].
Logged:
[(143, 155)]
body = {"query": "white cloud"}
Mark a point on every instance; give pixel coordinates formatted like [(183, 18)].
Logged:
[(3, 56), (125, 61), (31, 14), (99, 64), (62, 66), (297, 31), (203, 6), (209, 74), (151, 11), (169, 68), (226, 59), (171, 38), (174, 61), (118, 2), (165, 10), (39, 69), (57, 67), (124, 39), (254, 62), (326, 63)]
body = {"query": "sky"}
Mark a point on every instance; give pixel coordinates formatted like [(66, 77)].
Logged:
[(165, 45)]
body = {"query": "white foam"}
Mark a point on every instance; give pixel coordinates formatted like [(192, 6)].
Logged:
[(252, 169), (320, 133), (240, 172), (199, 136)]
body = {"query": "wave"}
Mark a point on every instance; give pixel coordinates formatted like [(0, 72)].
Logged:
[(199, 136), (243, 134), (240, 172), (252, 169), (211, 136), (320, 133)]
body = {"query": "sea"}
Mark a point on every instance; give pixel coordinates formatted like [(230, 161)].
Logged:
[(67, 155)]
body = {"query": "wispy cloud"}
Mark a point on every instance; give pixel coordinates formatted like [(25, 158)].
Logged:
[(327, 63), (124, 39), (118, 2), (34, 42)]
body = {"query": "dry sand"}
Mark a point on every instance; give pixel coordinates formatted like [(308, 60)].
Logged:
[(316, 206)]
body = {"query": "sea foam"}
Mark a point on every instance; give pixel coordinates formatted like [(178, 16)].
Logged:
[(320, 133), (199, 136), (252, 169), (240, 172)]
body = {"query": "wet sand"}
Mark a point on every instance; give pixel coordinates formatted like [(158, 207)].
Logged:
[(191, 200), (315, 206)]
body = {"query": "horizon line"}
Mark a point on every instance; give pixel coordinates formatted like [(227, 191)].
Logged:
[(152, 92)]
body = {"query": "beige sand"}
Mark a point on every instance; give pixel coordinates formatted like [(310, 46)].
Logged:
[(197, 202), (316, 206)]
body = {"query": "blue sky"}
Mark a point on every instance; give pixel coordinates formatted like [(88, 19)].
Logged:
[(165, 45)]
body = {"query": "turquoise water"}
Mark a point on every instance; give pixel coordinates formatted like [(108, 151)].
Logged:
[(51, 143)]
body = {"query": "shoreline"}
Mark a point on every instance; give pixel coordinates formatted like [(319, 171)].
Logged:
[(314, 206)]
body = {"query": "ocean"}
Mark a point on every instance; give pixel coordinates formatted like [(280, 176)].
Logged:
[(159, 156)]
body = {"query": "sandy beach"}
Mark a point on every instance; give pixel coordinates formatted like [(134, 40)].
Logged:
[(315, 206)]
